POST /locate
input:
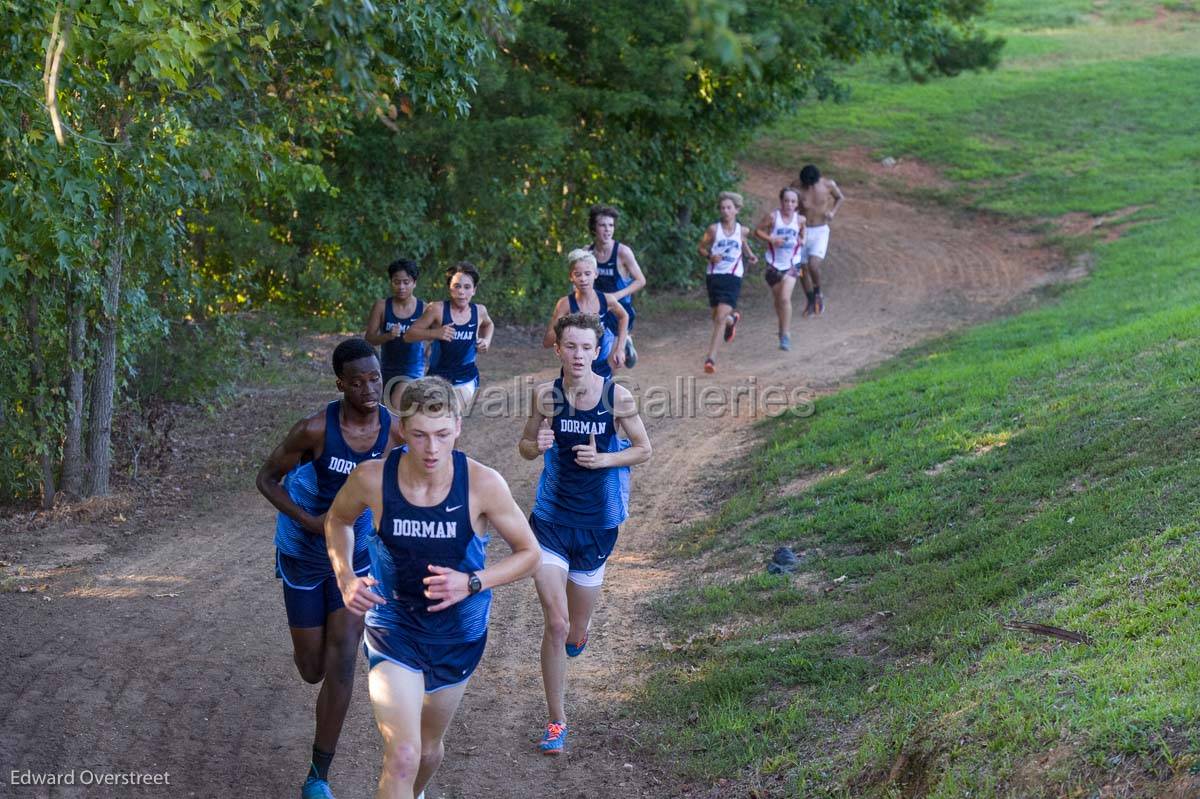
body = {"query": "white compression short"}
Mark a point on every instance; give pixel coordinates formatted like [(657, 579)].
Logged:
[(816, 241)]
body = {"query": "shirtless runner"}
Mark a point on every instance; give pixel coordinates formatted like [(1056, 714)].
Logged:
[(820, 199)]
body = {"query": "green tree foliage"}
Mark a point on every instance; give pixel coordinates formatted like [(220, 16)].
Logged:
[(167, 161), (639, 105), (122, 120)]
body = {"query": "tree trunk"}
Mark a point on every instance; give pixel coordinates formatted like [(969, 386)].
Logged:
[(104, 383), (683, 214), (37, 367), (72, 471)]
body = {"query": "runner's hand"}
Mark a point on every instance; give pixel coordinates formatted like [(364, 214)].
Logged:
[(447, 333), (545, 436), (587, 456), (314, 525), (778, 241), (482, 345), (358, 597), (616, 358), (715, 258), (447, 585)]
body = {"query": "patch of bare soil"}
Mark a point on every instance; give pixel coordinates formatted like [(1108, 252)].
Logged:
[(166, 648), (1109, 227)]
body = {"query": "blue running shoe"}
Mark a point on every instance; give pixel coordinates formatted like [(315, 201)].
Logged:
[(630, 354), (555, 739), (575, 650), (785, 342), (315, 789)]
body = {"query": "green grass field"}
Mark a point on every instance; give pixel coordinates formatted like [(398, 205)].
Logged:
[(1040, 468)]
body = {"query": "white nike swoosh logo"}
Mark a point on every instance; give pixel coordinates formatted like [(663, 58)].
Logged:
[(374, 454), (601, 413), (451, 510)]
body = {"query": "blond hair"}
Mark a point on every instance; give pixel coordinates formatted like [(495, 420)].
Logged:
[(580, 254), (732, 196)]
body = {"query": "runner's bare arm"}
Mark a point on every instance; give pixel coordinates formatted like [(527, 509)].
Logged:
[(617, 356), (375, 324), (487, 329), (706, 245), (838, 197), (491, 504), (764, 230), (630, 422), (303, 443), (361, 490), (628, 261), (560, 310), (752, 258), (537, 437), (428, 327)]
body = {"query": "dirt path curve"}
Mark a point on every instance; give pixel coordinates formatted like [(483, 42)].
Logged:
[(174, 656)]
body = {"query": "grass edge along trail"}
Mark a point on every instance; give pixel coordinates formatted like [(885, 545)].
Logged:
[(1038, 468)]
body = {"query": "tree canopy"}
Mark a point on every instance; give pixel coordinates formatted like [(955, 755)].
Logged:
[(167, 162)]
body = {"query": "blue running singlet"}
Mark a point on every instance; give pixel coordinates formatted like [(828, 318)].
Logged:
[(399, 358), (313, 486), (567, 493), (455, 360), (600, 365), (608, 280), (408, 539)]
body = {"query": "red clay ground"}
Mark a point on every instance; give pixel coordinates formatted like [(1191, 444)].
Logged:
[(154, 638)]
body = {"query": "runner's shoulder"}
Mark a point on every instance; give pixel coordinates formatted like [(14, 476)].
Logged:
[(484, 479)]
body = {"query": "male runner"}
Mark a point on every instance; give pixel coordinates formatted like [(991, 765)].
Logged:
[(582, 497), (724, 246), (317, 455), (820, 199), (458, 328), (386, 324), (581, 269), (428, 597), (617, 271), (783, 231)]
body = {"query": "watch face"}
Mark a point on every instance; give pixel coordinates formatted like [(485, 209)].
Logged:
[(474, 585)]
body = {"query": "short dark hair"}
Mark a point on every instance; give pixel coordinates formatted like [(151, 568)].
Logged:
[(809, 175), (404, 265), (584, 321), (350, 350), (597, 211), (467, 268)]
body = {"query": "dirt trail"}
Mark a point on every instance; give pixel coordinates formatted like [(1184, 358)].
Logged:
[(173, 654)]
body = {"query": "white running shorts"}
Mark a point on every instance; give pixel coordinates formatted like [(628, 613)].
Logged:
[(816, 240)]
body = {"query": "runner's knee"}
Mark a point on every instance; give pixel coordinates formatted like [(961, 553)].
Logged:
[(432, 753), (557, 626), (401, 761), (310, 665), (340, 658)]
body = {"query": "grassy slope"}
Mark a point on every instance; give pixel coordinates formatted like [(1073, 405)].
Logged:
[(1068, 487)]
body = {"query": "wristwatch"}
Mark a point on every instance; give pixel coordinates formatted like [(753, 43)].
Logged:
[(474, 586)]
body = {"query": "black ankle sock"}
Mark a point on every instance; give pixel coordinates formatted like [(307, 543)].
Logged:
[(319, 767), (812, 296)]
